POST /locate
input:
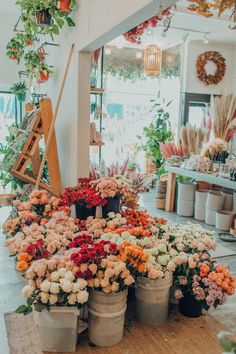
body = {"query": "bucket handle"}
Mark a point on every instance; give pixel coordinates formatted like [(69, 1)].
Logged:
[(108, 315)]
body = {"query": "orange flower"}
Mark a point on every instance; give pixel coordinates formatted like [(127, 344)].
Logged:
[(43, 221), (144, 257), (220, 269), (230, 291), (212, 276), (22, 266), (142, 268), (24, 256), (205, 269), (225, 285)]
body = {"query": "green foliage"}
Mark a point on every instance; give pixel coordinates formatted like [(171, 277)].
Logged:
[(8, 157), (34, 63), (59, 18), (157, 132), (15, 47), (19, 88)]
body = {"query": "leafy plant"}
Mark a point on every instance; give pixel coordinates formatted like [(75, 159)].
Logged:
[(7, 155), (15, 47), (34, 64), (58, 18), (157, 132), (19, 88)]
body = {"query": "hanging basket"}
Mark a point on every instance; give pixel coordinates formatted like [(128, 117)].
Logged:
[(43, 18), (152, 60)]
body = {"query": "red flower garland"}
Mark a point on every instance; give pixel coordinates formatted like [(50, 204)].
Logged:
[(134, 35)]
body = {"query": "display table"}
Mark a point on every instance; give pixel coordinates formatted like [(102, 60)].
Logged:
[(198, 176)]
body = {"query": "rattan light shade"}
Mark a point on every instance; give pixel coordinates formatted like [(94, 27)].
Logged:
[(152, 60)]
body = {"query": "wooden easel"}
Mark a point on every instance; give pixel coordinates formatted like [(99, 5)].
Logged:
[(30, 152)]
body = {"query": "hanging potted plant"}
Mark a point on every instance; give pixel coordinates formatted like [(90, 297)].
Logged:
[(35, 66), (46, 17), (28, 40), (15, 48), (19, 90), (201, 283), (84, 197), (55, 295)]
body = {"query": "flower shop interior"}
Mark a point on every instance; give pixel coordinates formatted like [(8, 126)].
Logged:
[(118, 176)]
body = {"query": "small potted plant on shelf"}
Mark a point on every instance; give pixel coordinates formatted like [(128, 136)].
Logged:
[(84, 197), (15, 48), (28, 40), (19, 89), (46, 17), (55, 295)]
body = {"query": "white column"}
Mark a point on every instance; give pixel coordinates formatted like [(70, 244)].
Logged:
[(84, 66)]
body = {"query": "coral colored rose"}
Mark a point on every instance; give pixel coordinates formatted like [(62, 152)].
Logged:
[(22, 266), (23, 256)]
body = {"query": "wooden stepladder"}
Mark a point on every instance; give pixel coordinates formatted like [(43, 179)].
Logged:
[(30, 153)]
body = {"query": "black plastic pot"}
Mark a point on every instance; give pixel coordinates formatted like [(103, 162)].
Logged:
[(189, 306), (43, 18), (113, 205), (83, 213)]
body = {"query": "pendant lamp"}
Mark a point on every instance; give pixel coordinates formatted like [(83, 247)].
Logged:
[(152, 60)]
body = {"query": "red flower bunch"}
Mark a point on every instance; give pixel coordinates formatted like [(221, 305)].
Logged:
[(89, 256), (134, 35), (37, 250), (83, 195), (80, 240)]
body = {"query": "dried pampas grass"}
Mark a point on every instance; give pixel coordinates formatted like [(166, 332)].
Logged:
[(224, 113), (193, 138)]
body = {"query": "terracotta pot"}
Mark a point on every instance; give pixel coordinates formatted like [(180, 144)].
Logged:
[(28, 43), (64, 5), (43, 76), (13, 57), (203, 185)]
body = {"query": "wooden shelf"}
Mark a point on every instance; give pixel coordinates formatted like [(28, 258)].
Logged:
[(95, 144), (96, 91)]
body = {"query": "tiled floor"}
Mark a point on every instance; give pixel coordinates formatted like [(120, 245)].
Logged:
[(11, 282)]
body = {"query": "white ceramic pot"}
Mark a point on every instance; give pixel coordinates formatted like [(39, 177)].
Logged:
[(228, 202), (200, 202), (210, 217), (152, 300), (186, 191), (215, 200), (106, 317), (185, 207), (224, 220), (234, 201), (58, 329)]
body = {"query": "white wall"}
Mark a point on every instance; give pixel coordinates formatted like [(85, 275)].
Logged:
[(190, 81), (95, 25), (8, 68)]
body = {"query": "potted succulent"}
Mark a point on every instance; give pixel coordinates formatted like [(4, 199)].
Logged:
[(19, 89), (46, 17), (15, 48)]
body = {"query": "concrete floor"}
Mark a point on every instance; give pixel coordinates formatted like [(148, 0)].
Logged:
[(11, 282)]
